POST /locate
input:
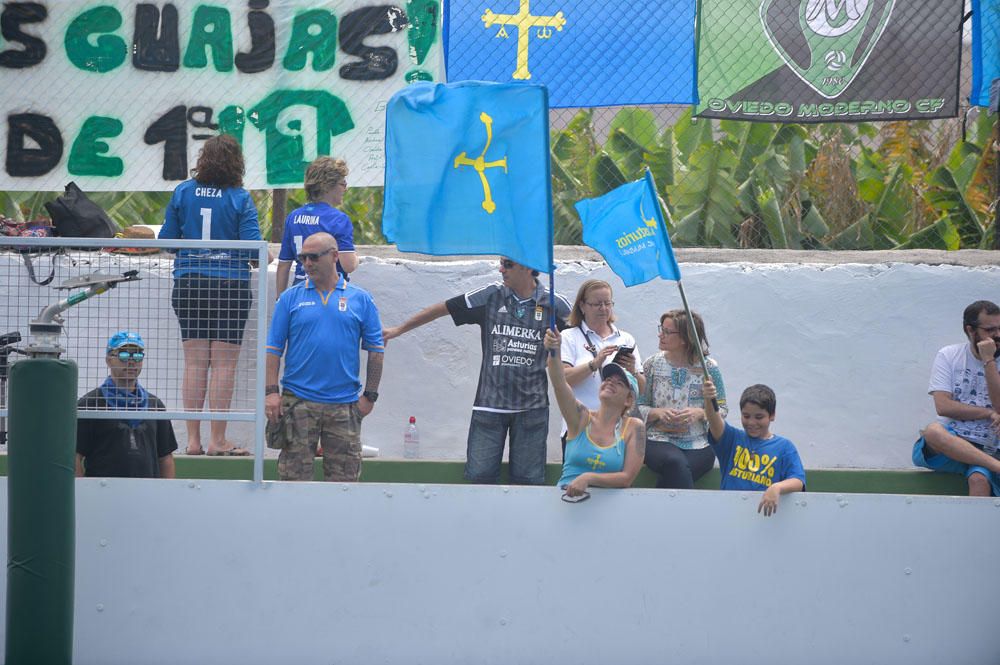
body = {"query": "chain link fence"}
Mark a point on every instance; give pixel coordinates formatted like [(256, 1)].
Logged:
[(880, 184)]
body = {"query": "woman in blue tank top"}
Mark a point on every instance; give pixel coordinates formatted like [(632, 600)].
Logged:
[(604, 447)]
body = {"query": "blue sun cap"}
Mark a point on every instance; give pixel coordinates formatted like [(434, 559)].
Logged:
[(614, 369), (125, 338)]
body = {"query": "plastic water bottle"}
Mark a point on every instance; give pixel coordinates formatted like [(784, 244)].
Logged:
[(411, 440)]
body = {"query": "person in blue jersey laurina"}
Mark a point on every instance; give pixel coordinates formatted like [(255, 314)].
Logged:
[(604, 446), (211, 294), (325, 185)]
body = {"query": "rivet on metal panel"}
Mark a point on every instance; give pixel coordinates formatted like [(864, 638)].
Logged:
[(802, 503), (503, 554), (100, 607), (104, 483), (673, 493), (996, 502), (427, 494), (907, 571), (506, 490), (192, 485), (906, 638), (840, 497), (104, 542), (503, 622), (843, 504), (744, 496), (909, 499), (344, 488), (388, 494)]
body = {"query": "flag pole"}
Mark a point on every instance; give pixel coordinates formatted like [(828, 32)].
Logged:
[(680, 287), (550, 215)]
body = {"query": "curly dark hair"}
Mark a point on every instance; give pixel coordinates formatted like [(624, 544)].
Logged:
[(220, 163)]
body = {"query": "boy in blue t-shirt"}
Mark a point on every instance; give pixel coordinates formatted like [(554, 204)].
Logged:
[(752, 458)]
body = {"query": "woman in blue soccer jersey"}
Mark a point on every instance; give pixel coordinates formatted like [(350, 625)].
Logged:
[(211, 294), (604, 446), (325, 184)]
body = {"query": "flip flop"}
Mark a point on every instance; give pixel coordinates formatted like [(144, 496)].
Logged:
[(232, 452), (200, 451)]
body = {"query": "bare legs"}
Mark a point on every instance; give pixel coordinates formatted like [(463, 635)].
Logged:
[(209, 371), (220, 390), (940, 440)]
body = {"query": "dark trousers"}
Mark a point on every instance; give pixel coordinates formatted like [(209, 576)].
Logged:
[(675, 467)]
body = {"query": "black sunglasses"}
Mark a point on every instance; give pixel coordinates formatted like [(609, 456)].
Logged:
[(312, 256)]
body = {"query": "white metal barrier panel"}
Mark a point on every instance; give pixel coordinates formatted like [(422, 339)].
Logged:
[(148, 305), (235, 572)]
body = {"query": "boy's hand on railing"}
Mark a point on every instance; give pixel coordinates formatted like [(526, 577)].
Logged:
[(769, 502)]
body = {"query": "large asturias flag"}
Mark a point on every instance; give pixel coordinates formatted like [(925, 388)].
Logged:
[(588, 52), (626, 226), (467, 171), (985, 49)]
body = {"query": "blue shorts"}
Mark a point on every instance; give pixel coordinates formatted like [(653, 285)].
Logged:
[(939, 462)]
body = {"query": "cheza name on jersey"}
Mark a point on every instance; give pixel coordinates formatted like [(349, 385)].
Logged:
[(208, 192)]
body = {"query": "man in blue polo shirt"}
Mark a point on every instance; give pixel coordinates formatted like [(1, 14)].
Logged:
[(319, 325)]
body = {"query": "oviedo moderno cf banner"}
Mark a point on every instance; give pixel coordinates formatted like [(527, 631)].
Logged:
[(829, 60)]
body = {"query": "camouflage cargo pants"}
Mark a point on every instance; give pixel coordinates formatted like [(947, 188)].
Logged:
[(336, 426)]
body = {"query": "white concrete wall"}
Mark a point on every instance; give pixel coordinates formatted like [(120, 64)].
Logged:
[(316, 573), (847, 348)]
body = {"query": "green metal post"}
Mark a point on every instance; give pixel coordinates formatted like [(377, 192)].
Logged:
[(41, 515)]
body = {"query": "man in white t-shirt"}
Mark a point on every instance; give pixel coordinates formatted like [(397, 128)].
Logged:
[(965, 384)]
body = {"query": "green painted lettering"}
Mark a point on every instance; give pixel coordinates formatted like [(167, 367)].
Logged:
[(108, 52), (232, 121), (315, 32), (285, 158), (210, 29), (87, 157)]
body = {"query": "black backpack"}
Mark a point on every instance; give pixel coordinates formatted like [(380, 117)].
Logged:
[(75, 216)]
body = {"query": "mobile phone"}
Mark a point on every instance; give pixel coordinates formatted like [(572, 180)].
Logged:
[(622, 352)]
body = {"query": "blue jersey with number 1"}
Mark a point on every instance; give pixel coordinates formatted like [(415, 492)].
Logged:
[(313, 218), (202, 212)]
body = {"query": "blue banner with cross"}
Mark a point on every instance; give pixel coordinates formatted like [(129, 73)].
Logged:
[(587, 52)]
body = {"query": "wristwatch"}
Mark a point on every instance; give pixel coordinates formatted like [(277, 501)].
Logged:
[(371, 395), (272, 389)]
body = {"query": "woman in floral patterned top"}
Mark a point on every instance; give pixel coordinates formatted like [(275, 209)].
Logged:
[(673, 407)]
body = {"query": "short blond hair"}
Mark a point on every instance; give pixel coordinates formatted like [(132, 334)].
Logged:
[(323, 174)]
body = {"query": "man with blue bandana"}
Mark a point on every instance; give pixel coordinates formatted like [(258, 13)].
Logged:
[(133, 448)]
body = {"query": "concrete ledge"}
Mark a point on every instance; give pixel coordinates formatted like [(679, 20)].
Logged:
[(935, 257), (851, 481)]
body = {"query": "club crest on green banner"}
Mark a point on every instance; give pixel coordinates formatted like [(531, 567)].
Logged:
[(839, 34), (807, 61)]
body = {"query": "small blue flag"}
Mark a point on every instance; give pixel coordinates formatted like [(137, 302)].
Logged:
[(985, 50), (587, 52), (467, 171), (626, 226)]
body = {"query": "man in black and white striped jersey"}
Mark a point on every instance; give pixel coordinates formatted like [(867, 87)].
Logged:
[(512, 397)]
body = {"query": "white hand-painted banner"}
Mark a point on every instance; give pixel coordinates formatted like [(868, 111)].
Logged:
[(119, 94)]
